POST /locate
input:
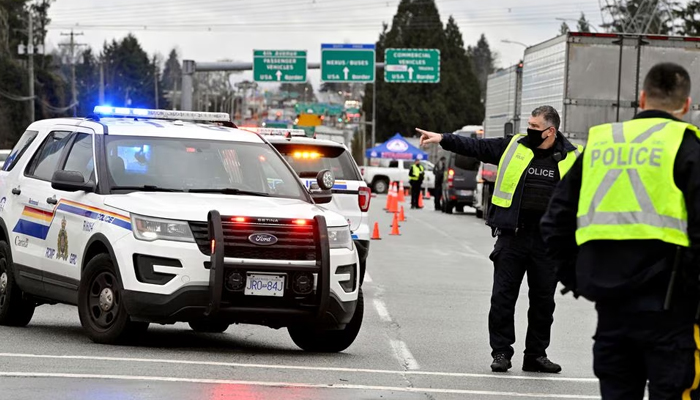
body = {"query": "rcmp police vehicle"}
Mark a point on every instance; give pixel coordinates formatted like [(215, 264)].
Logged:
[(140, 216), (351, 196)]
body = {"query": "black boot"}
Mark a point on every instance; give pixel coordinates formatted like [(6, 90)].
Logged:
[(540, 364), (500, 363)]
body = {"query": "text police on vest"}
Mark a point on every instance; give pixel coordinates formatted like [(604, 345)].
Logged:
[(547, 173), (635, 155)]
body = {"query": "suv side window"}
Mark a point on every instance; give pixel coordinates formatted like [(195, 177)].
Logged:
[(80, 158), (45, 161), (19, 149)]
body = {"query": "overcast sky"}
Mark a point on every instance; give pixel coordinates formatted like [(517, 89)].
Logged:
[(211, 30)]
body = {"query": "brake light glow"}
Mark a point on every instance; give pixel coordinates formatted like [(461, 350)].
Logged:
[(301, 222), (450, 178), (191, 150), (364, 198), (238, 219), (451, 173)]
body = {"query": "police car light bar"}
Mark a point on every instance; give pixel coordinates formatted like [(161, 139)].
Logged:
[(106, 111), (277, 131)]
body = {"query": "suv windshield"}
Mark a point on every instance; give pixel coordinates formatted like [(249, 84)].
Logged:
[(182, 165), (309, 160)]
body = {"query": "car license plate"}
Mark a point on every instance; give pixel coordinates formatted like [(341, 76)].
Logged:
[(466, 192), (265, 285)]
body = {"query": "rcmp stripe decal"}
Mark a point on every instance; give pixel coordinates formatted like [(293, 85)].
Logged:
[(36, 223)]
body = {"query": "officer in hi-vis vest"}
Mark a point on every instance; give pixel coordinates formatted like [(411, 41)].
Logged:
[(529, 167), (625, 223)]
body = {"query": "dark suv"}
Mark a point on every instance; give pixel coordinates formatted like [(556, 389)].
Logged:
[(460, 182)]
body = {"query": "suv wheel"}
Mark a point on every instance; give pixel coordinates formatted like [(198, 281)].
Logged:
[(100, 306), (316, 340), (14, 309), (209, 326)]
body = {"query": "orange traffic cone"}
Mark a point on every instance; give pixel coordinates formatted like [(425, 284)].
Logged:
[(402, 217), (427, 194), (393, 201), (375, 234), (420, 200), (388, 199), (395, 226), (402, 193)]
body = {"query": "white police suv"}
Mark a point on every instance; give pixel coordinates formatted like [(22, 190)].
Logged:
[(140, 216), (351, 196)]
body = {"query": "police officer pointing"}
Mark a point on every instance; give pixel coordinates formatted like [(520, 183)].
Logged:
[(529, 167), (630, 208)]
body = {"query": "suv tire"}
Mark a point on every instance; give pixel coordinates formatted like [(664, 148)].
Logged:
[(209, 326), (15, 310), (380, 186), (311, 339), (100, 307)]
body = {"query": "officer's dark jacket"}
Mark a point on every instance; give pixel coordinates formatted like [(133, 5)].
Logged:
[(630, 275), (490, 151)]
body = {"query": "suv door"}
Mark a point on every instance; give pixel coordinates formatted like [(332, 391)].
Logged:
[(74, 216), (34, 215)]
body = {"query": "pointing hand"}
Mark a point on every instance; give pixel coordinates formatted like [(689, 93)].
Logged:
[(428, 137)]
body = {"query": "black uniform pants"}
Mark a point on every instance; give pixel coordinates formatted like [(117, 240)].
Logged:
[(513, 256), (438, 195), (631, 349), (415, 193)]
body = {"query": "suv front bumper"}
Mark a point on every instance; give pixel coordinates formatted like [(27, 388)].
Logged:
[(196, 290)]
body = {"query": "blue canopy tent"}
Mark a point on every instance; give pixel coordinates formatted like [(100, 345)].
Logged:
[(397, 148)]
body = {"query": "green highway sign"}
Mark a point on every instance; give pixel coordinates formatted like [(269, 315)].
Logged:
[(279, 65), (348, 63), (412, 65)]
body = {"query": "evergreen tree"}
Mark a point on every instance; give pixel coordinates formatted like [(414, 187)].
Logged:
[(484, 62), (446, 106), (129, 74), (689, 18), (564, 28), (583, 25), (171, 79)]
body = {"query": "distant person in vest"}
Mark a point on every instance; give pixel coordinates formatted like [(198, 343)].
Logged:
[(529, 167), (625, 222), (415, 177), (439, 171)]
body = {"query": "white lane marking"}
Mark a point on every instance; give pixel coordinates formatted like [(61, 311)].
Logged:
[(368, 278), (290, 384), (381, 310), (470, 250), (296, 367), (404, 355)]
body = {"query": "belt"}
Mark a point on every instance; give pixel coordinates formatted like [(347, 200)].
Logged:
[(523, 227)]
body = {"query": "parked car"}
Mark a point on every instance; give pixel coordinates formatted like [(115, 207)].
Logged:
[(379, 177), (458, 189)]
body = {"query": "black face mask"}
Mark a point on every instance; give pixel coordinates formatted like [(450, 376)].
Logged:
[(534, 137)]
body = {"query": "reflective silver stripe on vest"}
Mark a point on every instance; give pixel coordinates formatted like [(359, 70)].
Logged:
[(502, 168), (644, 136), (576, 152), (648, 215)]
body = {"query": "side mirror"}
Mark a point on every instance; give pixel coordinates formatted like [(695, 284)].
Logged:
[(321, 189), (70, 181)]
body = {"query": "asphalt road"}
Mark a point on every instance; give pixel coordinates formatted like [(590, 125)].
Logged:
[(424, 336)]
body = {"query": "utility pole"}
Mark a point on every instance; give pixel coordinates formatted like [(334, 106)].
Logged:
[(72, 45), (155, 80), (374, 114), (102, 81), (30, 52)]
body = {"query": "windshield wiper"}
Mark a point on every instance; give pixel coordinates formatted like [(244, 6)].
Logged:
[(230, 191), (146, 188)]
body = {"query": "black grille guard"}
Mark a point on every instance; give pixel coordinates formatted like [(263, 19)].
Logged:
[(216, 272)]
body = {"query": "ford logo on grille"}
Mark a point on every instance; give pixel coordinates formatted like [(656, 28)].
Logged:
[(263, 239)]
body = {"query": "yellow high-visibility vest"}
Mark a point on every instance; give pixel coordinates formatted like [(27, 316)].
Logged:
[(627, 188), (512, 166)]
